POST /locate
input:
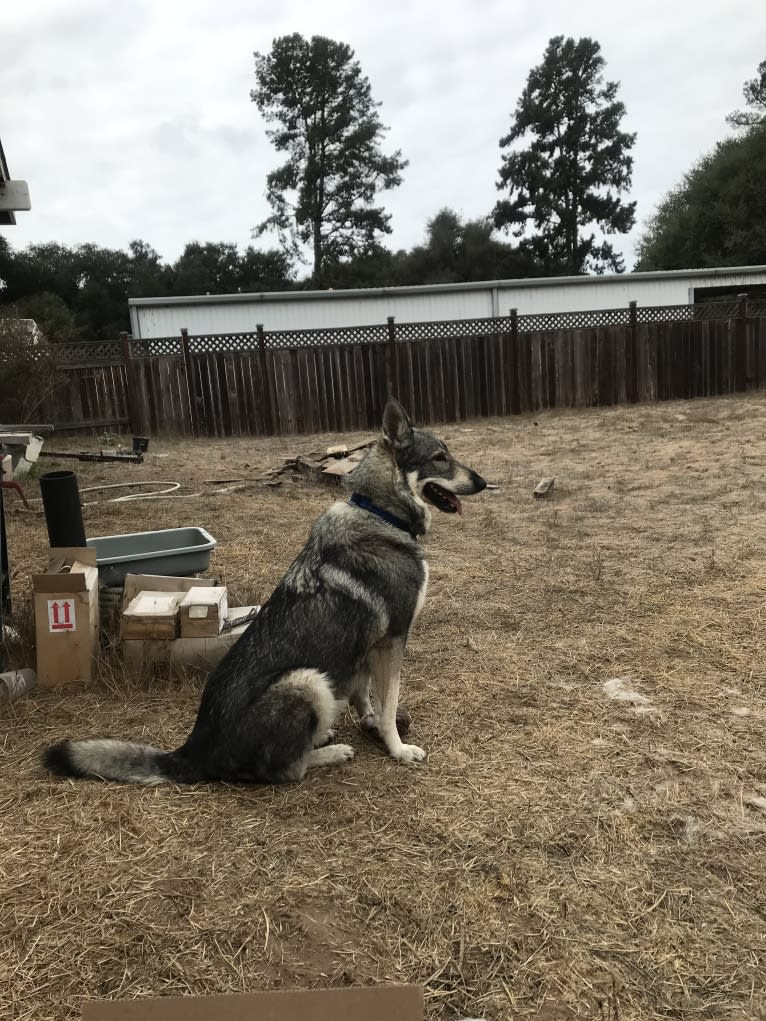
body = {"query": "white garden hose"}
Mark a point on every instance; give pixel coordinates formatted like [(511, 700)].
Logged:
[(163, 494), (168, 493)]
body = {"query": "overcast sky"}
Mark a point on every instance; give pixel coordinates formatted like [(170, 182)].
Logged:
[(134, 120)]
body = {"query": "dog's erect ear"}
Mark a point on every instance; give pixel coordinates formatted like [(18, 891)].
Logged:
[(397, 427)]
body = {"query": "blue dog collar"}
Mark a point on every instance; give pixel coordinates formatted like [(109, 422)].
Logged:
[(361, 501)]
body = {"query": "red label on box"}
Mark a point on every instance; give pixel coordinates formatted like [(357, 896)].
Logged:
[(61, 615)]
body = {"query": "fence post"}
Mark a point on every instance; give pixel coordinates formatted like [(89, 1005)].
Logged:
[(132, 395), (391, 358), (740, 352), (517, 392), (272, 421), (191, 388), (631, 353)]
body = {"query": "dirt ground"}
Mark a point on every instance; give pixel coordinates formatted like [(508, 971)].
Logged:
[(588, 835)]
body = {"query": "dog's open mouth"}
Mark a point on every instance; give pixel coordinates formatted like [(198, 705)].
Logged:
[(442, 499)]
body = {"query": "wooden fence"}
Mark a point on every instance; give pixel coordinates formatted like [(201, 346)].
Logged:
[(338, 380)]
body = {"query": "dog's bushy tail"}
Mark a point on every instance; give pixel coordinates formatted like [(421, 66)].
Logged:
[(123, 761)]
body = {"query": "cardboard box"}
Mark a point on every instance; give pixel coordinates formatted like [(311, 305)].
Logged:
[(183, 653), (377, 1003), (152, 615), (67, 618), (203, 611)]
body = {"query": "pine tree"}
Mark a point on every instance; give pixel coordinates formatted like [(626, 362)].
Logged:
[(572, 165), (323, 195)]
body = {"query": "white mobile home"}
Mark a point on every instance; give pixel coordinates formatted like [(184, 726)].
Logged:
[(299, 310)]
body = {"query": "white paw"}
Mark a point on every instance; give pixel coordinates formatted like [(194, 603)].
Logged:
[(409, 753), (344, 752)]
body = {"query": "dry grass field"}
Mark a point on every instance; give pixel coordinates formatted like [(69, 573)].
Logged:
[(588, 836)]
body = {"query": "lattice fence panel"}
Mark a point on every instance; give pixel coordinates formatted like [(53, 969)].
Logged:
[(684, 313), (151, 347), (452, 328), (573, 320), (88, 353), (221, 343), (343, 336), (717, 310), (664, 313)]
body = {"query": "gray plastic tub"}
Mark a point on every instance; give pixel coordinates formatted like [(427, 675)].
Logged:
[(173, 552)]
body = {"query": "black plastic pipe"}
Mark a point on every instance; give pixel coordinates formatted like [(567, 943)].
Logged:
[(63, 513)]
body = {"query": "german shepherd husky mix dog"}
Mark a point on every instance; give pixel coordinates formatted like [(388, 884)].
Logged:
[(333, 632)]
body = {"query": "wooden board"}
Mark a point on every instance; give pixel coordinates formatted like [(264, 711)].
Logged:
[(340, 467), (376, 1003), (543, 488)]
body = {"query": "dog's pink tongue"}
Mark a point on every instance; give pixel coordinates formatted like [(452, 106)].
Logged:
[(456, 503)]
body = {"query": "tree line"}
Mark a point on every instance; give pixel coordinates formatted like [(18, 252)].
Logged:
[(565, 167)]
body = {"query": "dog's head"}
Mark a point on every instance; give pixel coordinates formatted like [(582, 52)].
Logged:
[(431, 473)]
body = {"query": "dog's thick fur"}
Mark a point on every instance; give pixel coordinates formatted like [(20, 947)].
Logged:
[(333, 631)]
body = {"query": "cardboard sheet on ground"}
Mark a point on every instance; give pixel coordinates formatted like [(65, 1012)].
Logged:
[(378, 1003)]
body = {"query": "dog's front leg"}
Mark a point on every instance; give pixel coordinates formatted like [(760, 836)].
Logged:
[(385, 663)]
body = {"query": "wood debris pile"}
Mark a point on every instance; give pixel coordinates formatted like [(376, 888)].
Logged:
[(330, 465)]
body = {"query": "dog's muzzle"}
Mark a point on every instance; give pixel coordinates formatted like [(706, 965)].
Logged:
[(448, 501)]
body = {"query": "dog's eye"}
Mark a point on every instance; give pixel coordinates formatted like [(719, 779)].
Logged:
[(441, 459)]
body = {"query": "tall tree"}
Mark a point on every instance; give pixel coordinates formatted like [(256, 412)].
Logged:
[(568, 162), (327, 124), (754, 92), (716, 216)]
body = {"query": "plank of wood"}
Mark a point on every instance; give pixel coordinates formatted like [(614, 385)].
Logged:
[(342, 449), (342, 467), (543, 488), (437, 375), (232, 393), (361, 396), (297, 392), (308, 389)]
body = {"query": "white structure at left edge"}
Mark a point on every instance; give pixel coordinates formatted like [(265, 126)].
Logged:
[(304, 310), (14, 195)]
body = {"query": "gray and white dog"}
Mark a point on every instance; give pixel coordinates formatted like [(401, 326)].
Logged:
[(333, 631)]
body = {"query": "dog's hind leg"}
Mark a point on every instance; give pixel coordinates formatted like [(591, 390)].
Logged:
[(294, 718), (360, 698), (385, 662)]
